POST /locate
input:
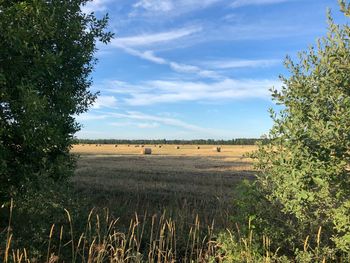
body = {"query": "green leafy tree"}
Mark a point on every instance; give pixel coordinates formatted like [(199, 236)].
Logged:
[(46, 56), (304, 179)]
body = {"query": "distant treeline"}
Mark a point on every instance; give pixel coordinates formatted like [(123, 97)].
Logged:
[(238, 141)]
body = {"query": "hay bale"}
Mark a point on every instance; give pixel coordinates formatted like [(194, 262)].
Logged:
[(136, 146), (177, 147), (217, 149), (198, 147), (146, 151), (142, 146), (160, 146), (116, 145)]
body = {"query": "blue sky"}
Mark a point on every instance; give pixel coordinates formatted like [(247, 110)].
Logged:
[(189, 69)]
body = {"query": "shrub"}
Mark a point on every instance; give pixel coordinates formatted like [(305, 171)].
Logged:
[(302, 190)]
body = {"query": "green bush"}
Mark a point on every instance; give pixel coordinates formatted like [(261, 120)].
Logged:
[(301, 198), (34, 213)]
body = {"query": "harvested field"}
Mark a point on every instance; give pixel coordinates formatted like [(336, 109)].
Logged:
[(185, 150), (184, 182)]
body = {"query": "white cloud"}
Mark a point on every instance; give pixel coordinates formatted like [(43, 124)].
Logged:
[(122, 124), (170, 7), (242, 63), (146, 55), (90, 116), (148, 125), (133, 115), (178, 67), (155, 5), (141, 125), (173, 91), (255, 31), (133, 121), (239, 3), (131, 45), (95, 6), (105, 102), (185, 68), (155, 38)]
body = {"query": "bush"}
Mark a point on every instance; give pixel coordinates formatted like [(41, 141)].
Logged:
[(33, 214), (301, 198)]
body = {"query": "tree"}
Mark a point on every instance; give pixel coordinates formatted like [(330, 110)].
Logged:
[(305, 167), (46, 57)]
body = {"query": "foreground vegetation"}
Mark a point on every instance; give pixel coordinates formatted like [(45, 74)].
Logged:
[(147, 209), (104, 241), (100, 238), (190, 192)]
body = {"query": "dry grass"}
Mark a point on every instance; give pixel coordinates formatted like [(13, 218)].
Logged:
[(183, 194), (185, 150), (185, 182), (103, 242)]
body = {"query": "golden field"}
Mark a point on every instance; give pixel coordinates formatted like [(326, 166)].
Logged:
[(184, 150), (169, 206), (185, 182)]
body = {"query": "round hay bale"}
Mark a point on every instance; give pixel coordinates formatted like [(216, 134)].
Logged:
[(177, 147), (160, 146), (217, 149), (146, 151), (198, 147), (116, 145)]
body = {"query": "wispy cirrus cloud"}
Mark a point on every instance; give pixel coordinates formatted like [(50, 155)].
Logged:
[(241, 63), (147, 39), (138, 120), (174, 91), (175, 66), (95, 6), (129, 44), (239, 3), (141, 125), (141, 120), (148, 125), (146, 55), (90, 117), (105, 102), (170, 7), (135, 46), (155, 5), (135, 115), (190, 69)]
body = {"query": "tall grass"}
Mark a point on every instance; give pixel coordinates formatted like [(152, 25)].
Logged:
[(104, 241)]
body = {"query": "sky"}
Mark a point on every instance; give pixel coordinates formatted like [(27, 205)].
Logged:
[(196, 69)]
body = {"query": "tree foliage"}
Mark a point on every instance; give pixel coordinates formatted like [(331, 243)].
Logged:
[(46, 56), (305, 168)]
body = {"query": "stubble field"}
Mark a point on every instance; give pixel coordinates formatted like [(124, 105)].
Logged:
[(183, 183)]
